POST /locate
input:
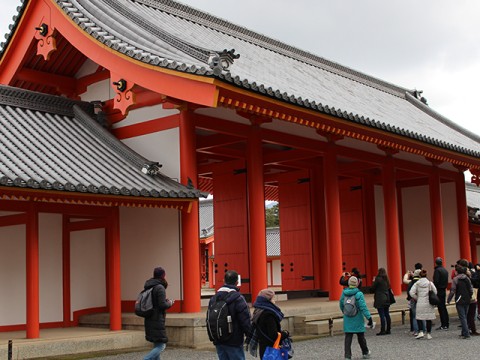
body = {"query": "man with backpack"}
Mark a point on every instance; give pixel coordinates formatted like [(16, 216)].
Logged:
[(155, 323), (228, 319), (462, 290), (354, 308)]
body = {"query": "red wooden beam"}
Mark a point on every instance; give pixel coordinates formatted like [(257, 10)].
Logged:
[(16, 219)]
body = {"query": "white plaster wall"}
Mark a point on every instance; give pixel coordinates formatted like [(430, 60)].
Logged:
[(101, 91), (380, 222), (87, 269), (150, 238), (136, 116), (50, 264), (277, 272), (163, 147), (450, 224), (12, 275), (417, 228)]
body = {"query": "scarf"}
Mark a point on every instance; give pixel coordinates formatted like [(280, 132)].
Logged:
[(261, 304)]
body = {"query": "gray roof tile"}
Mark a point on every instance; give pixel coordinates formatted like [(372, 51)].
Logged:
[(49, 142), (168, 34)]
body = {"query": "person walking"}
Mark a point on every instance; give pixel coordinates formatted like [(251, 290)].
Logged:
[(381, 288), (440, 280), (354, 324), (232, 348), (424, 310), (267, 319), (155, 325), (462, 290)]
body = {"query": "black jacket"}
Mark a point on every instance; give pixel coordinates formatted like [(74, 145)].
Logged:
[(268, 327), (380, 289), (440, 277), (155, 325), (240, 312)]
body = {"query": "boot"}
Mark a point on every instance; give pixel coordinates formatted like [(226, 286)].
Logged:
[(382, 330), (389, 326)]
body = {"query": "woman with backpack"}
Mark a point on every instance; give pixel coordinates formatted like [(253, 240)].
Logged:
[(267, 318), (354, 309)]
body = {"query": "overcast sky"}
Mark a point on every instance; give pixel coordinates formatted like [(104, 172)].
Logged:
[(429, 45)]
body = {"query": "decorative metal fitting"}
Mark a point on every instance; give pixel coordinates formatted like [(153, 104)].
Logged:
[(42, 29), (121, 85)]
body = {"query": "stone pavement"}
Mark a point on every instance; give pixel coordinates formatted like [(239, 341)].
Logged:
[(399, 345)]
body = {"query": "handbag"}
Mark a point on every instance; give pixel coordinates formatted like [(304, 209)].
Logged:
[(432, 297), (275, 352), (391, 297)]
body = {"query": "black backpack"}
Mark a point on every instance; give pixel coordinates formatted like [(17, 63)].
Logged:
[(219, 319)]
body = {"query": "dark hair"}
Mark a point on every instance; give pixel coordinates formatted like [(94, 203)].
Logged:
[(356, 272), (382, 273), (231, 277), (418, 266), (461, 269), (463, 262), (423, 273)]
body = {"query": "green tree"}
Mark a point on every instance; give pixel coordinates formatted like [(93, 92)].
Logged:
[(272, 216)]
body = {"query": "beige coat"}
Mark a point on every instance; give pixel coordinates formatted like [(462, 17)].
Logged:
[(419, 292)]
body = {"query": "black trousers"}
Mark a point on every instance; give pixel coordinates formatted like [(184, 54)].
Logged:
[(442, 307), (361, 341)]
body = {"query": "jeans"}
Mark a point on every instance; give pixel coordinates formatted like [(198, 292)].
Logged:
[(413, 316), (155, 353), (361, 341), (442, 308), (462, 311), (472, 308), (226, 352), (384, 314)]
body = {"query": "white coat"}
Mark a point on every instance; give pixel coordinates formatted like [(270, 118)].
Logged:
[(419, 292)]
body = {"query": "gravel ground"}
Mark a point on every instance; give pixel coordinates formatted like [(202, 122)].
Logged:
[(399, 345)]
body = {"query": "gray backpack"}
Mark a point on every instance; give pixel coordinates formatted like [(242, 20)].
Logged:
[(350, 305)]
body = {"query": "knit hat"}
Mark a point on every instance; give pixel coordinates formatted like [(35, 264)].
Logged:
[(353, 281), (439, 261), (267, 293), (159, 273), (417, 272)]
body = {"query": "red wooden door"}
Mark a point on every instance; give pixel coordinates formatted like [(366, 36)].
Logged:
[(230, 222), (351, 210), (295, 231)]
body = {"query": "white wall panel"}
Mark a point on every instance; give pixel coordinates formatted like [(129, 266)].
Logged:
[(50, 252), (12, 275), (380, 222), (87, 264), (149, 238)]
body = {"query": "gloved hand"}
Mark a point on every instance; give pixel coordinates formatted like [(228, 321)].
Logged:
[(285, 334), (370, 322)]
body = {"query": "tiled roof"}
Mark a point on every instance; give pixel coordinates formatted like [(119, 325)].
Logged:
[(273, 241), (174, 36), (205, 213), (53, 143)]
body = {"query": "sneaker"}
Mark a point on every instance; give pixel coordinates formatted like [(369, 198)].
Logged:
[(465, 337), (366, 356), (420, 335), (429, 337), (442, 328), (415, 333)]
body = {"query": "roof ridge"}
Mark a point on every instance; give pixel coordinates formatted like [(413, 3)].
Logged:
[(36, 101), (212, 21)]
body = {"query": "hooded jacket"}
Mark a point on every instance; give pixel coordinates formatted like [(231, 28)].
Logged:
[(419, 292), (155, 325), (355, 324), (240, 312), (462, 289)]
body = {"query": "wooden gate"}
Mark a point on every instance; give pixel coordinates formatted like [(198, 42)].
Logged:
[(230, 221), (295, 231)]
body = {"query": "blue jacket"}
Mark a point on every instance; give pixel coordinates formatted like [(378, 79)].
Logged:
[(355, 324)]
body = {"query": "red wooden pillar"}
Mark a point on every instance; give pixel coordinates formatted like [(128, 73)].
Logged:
[(370, 226), (391, 224), (32, 281), (334, 230), (114, 269), (256, 212), (190, 233), (462, 211), (438, 241)]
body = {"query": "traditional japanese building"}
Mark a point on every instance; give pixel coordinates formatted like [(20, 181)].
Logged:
[(365, 172)]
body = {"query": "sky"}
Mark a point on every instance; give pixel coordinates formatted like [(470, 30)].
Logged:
[(428, 45)]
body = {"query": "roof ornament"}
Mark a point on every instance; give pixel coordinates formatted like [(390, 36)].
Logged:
[(221, 61), (418, 95), (151, 168), (46, 42)]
